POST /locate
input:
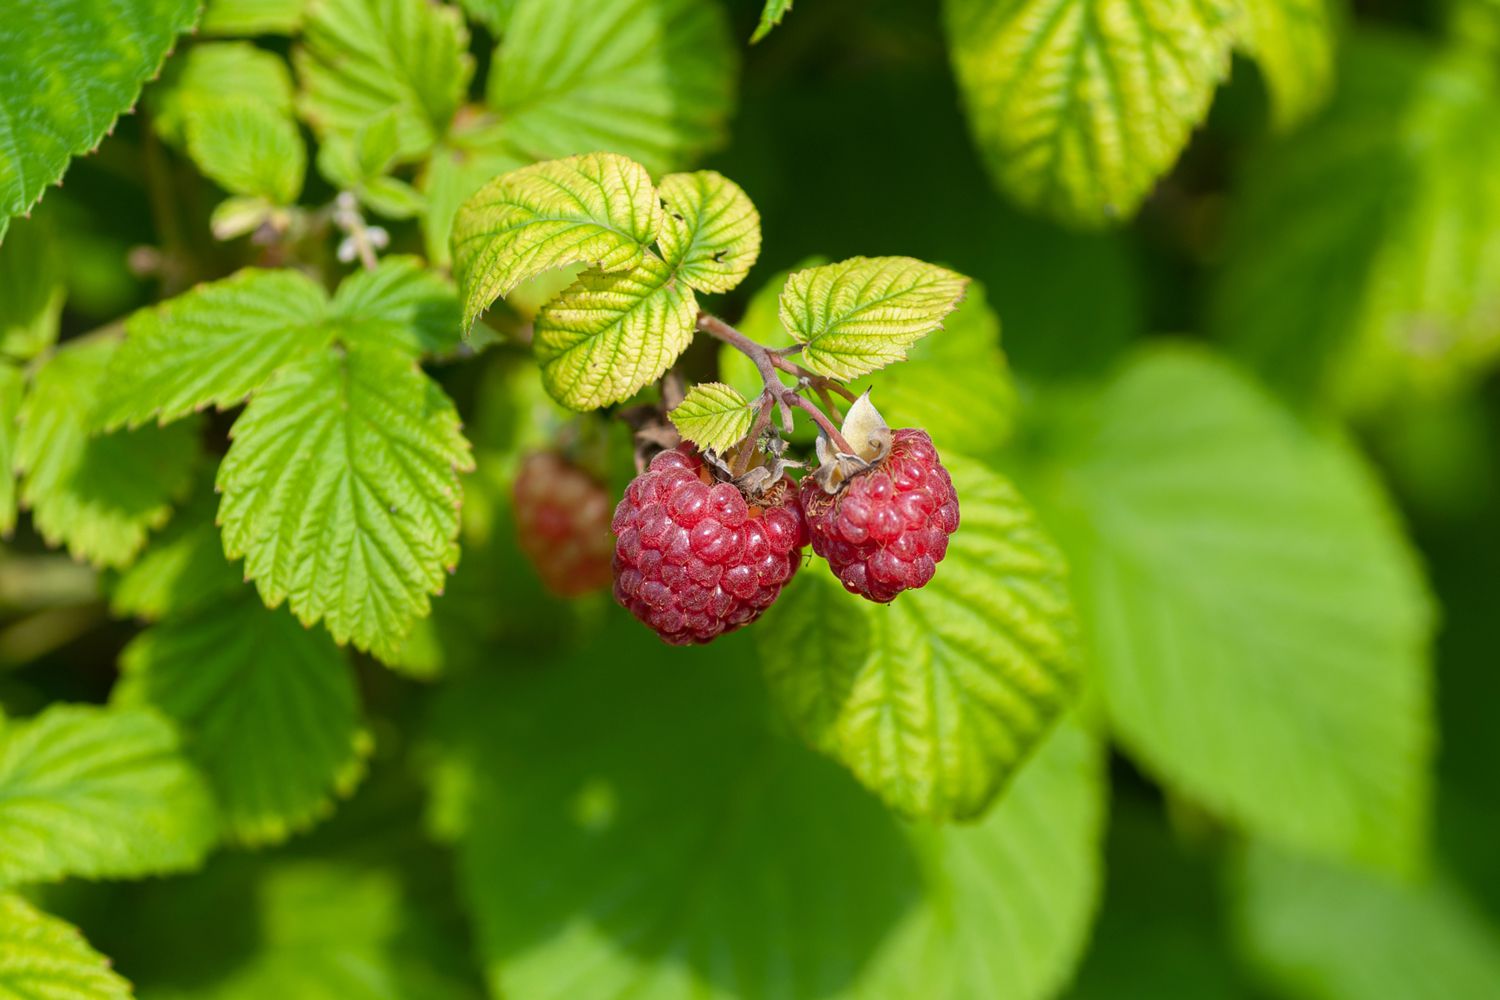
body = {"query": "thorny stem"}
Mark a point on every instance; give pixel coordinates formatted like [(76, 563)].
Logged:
[(767, 362)]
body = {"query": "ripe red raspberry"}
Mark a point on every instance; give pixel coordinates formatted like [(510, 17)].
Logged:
[(562, 521), (887, 529), (693, 558)]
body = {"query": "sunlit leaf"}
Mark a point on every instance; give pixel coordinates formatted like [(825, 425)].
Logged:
[(44, 957), (252, 17), (399, 304), (710, 230), (713, 415), (1293, 40), (182, 569)]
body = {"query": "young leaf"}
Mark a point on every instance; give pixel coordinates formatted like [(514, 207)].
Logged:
[(70, 68), (935, 701), (714, 416), (861, 314), (212, 346), (44, 957), (252, 17), (249, 149), (400, 304), (610, 335), (267, 709), (597, 209), (673, 762), (209, 76), (1259, 628), (770, 17), (363, 58), (32, 289), (341, 491), (12, 388), (181, 570), (99, 794), (649, 79), (1293, 42), (98, 495), (1078, 106), (710, 230), (1317, 930)]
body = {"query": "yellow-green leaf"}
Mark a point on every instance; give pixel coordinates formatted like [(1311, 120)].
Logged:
[(46, 958), (714, 416), (710, 230)]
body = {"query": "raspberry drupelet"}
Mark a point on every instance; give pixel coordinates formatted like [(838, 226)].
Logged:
[(693, 558), (887, 527)]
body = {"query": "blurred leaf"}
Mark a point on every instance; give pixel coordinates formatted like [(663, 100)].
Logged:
[(1293, 41), (183, 568), (623, 752), (861, 314), (453, 173), (98, 495), (42, 956), (935, 701), (493, 14), (1259, 627), (252, 17), (70, 68), (1364, 254), (362, 58), (249, 149), (710, 229), (713, 415), (31, 289), (209, 76), (341, 491), (770, 17), (1323, 933), (267, 709), (650, 79), (100, 794), (400, 304), (1080, 106)]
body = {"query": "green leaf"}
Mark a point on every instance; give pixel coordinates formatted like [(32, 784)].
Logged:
[(1380, 277), (714, 416), (392, 198), (70, 68), (710, 229), (610, 335), (1316, 931), (363, 58), (181, 570), (453, 173), (248, 149), (32, 289), (98, 793), (598, 209), (267, 709), (212, 346), (673, 762), (1259, 627), (341, 491), (935, 701), (399, 304), (44, 957), (861, 314), (252, 17), (209, 76), (770, 17), (98, 495), (1079, 106), (493, 14), (12, 388), (649, 79), (1293, 41)]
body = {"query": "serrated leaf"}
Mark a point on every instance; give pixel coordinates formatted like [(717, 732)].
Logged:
[(710, 230), (451, 175), (598, 209), (1293, 41), (861, 314), (181, 570), (212, 346), (12, 388), (46, 958), (252, 17), (71, 67), (208, 76), (98, 495), (770, 16), (650, 79), (1259, 628), (1383, 277), (937, 700), (248, 149), (713, 416), (1316, 930), (351, 161), (673, 763), (364, 58), (341, 491), (32, 289), (609, 335), (267, 709), (1079, 106), (400, 304), (98, 793)]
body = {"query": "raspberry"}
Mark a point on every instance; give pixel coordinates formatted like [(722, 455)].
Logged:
[(561, 519), (887, 529), (693, 558)]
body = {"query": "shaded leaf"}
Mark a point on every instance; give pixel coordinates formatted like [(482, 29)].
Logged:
[(770, 17), (249, 149)]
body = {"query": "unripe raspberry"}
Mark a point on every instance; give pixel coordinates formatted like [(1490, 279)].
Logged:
[(562, 520), (887, 527), (694, 559)]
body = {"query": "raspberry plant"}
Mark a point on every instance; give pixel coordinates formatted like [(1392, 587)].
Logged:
[(382, 381)]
